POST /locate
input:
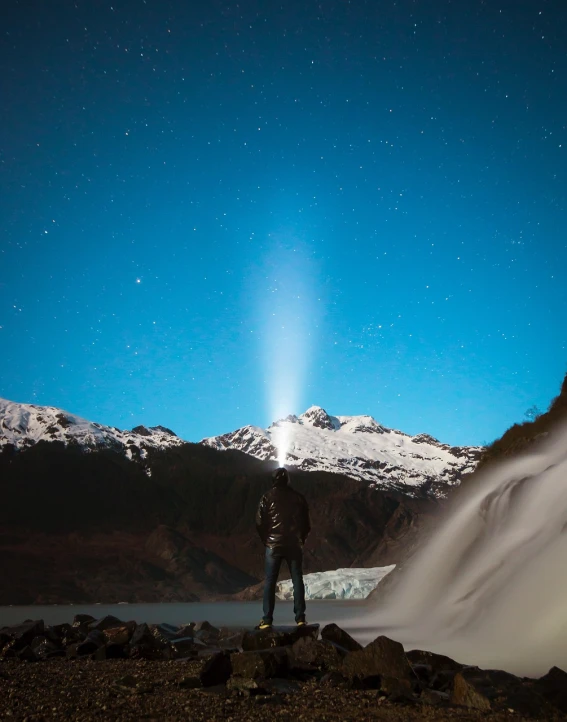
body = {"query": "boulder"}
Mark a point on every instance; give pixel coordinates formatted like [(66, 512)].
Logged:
[(97, 637), (144, 644), (24, 633), (233, 642), (263, 663), (216, 670), (10, 649), (205, 626), (162, 636), (164, 633), (118, 635), (437, 662), (206, 632), (86, 647), (435, 671), (43, 647), (424, 673), (26, 654), (80, 620), (382, 662), (168, 630), (553, 688), (64, 634), (184, 647), (333, 633), (309, 653), (277, 637), (108, 622), (112, 651), (471, 691), (496, 690)]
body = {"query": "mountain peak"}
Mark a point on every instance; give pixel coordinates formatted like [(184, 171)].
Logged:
[(316, 416), (23, 425), (356, 446)]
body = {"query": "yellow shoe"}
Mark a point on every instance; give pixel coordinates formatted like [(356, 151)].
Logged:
[(302, 623), (264, 625)]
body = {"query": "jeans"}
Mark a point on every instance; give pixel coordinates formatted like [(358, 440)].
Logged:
[(274, 559)]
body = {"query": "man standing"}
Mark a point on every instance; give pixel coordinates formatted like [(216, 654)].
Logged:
[(282, 521)]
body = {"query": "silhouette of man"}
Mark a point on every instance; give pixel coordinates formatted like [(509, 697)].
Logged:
[(282, 521)]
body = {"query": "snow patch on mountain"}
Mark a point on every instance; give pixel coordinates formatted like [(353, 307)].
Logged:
[(23, 425), (359, 447), (337, 584)]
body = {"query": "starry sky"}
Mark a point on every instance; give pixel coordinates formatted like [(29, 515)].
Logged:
[(194, 195)]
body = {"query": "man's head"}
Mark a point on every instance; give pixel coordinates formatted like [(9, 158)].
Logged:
[(280, 477)]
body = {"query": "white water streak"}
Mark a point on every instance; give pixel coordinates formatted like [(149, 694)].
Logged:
[(490, 588)]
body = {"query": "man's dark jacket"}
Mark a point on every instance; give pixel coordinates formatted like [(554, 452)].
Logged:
[(282, 519)]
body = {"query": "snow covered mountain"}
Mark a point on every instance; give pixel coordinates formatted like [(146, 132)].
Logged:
[(23, 425), (356, 446), (359, 447)]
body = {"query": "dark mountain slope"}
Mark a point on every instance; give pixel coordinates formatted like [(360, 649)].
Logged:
[(93, 526), (519, 437)]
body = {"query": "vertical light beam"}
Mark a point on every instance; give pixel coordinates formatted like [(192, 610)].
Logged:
[(289, 319)]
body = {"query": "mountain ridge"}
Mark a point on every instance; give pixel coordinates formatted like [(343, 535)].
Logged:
[(358, 447)]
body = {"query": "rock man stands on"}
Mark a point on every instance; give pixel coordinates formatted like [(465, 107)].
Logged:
[(282, 521)]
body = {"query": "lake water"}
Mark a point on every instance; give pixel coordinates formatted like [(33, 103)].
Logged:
[(220, 614)]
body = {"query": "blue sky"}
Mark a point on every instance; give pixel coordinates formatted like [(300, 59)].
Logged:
[(172, 177)]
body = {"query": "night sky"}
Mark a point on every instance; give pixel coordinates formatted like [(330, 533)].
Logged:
[(196, 194)]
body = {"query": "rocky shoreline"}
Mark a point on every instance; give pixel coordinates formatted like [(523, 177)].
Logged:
[(109, 669)]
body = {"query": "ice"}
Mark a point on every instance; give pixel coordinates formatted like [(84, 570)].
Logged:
[(337, 584)]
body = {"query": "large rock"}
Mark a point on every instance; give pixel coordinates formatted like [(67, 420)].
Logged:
[(381, 663), (496, 690), (333, 633), (144, 645), (164, 632), (186, 647), (111, 651), (232, 642), (277, 637), (207, 627), (435, 671), (263, 663), (80, 620), (44, 647), (24, 633), (311, 654), (63, 634), (553, 687), (437, 662), (470, 691), (118, 635), (216, 670), (108, 622)]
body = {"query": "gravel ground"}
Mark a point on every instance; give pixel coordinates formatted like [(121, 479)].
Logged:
[(161, 690)]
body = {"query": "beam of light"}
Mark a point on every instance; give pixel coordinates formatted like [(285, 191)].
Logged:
[(490, 588), (288, 318)]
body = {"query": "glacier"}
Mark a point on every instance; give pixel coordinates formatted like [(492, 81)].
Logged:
[(337, 584)]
